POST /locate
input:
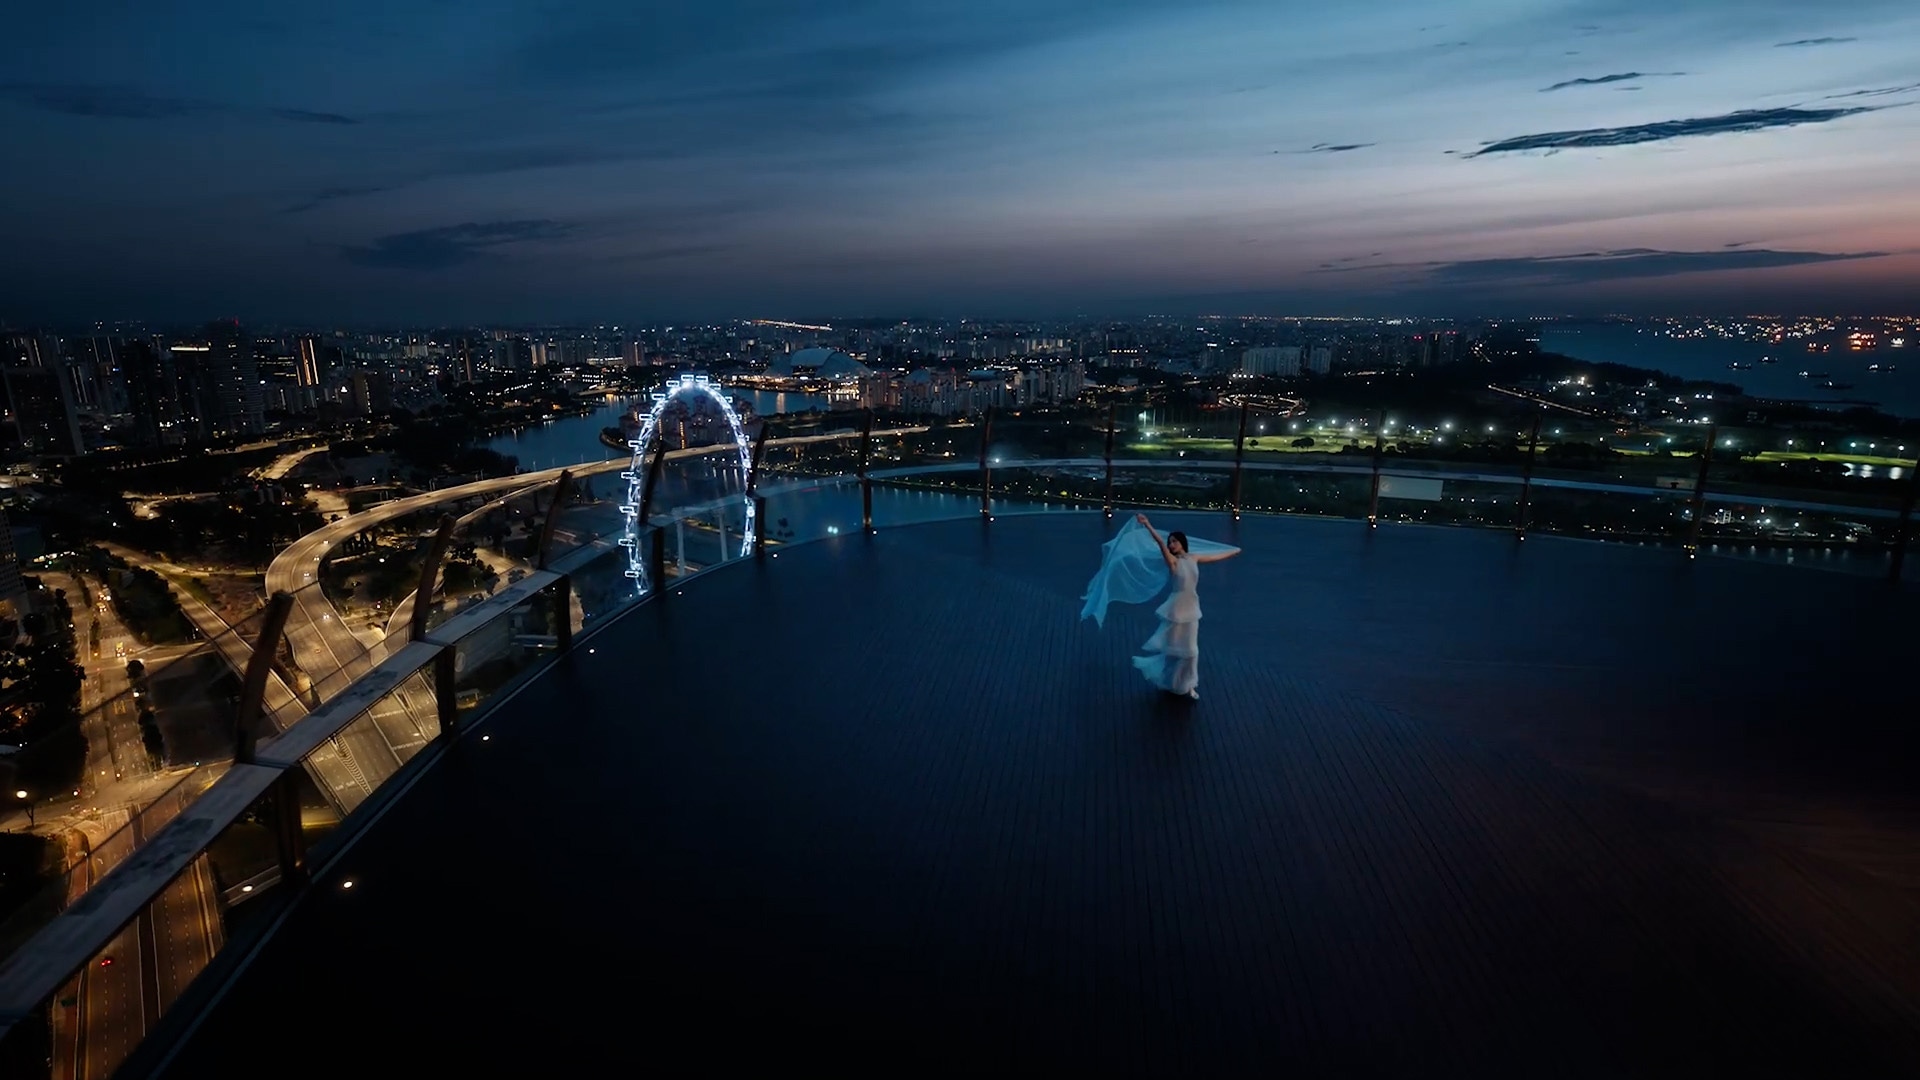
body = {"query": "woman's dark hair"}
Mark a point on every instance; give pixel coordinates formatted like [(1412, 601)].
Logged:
[(1182, 537)]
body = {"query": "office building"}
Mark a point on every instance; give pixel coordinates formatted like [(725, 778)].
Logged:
[(1281, 360), (41, 413)]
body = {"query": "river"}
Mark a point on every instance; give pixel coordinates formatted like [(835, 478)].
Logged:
[(571, 440)]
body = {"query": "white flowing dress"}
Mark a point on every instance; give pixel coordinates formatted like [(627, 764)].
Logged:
[(1172, 660)]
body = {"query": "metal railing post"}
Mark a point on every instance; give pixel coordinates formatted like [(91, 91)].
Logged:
[(253, 685), (1379, 448), (430, 577), (753, 462), (290, 840), (1239, 460), (654, 469), (563, 617), (561, 487), (1526, 481), (866, 483), (1107, 500), (1906, 520), (754, 497), (446, 689), (986, 467), (1700, 492), (657, 559)]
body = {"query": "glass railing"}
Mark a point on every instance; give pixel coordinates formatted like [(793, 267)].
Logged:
[(351, 704)]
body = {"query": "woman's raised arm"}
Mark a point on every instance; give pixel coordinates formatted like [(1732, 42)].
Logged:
[(1159, 543)]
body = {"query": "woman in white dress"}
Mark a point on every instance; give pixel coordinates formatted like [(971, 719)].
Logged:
[(1172, 662)]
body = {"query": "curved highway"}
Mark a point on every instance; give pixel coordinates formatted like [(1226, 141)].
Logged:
[(372, 748)]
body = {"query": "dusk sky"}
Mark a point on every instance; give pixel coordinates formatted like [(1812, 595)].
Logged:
[(505, 160)]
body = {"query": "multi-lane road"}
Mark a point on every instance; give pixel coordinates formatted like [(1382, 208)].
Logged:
[(341, 775), (109, 1006), (109, 715)]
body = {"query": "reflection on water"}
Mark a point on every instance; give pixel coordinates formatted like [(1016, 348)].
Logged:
[(798, 512), (1895, 391), (575, 439)]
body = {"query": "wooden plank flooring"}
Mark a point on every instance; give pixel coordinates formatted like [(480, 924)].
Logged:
[(1448, 806)]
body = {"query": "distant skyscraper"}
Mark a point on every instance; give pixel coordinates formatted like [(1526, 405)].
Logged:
[(11, 587), (307, 368), (232, 402), (94, 372), (40, 407), (1282, 360), (153, 394), (372, 392)]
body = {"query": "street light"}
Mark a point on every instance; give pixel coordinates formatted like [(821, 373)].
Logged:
[(22, 796)]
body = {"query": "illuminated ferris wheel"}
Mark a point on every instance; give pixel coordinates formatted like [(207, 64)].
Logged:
[(635, 475)]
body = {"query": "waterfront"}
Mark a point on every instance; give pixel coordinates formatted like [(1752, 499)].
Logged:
[(1896, 392), (572, 440)]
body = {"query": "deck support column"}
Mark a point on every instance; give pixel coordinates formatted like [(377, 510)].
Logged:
[(253, 684), (1240, 460), (1107, 500), (446, 690), (1700, 493), (1379, 449), (866, 482), (1906, 520), (430, 577), (986, 467), (1526, 482)]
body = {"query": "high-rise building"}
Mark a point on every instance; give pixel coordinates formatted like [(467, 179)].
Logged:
[(1320, 360), (40, 407), (231, 401), (307, 365), (95, 374), (1281, 360), (11, 587), (153, 394), (372, 392)]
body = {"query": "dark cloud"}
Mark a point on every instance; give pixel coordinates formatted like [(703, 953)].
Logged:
[(664, 254), (110, 102), (1806, 42), (332, 194), (129, 103), (308, 116), (1333, 148), (494, 160), (451, 245), (1878, 91), (1600, 80), (1730, 123), (1594, 267)]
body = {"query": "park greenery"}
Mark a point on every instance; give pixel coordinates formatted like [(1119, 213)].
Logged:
[(143, 601), (40, 681)]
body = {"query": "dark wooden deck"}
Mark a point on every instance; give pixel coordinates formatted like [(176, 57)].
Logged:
[(1449, 806)]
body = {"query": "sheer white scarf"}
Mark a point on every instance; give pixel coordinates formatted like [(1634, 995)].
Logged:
[(1132, 570)]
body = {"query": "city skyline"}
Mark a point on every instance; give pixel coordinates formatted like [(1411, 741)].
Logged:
[(501, 163)]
